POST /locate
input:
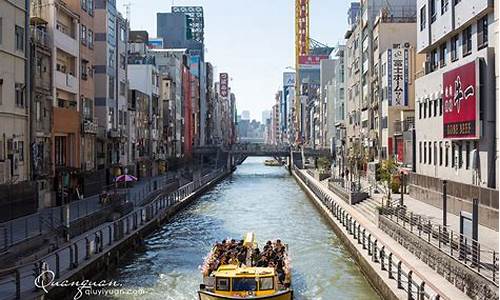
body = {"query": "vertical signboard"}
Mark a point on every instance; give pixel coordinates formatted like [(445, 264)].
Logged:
[(461, 102), (223, 86), (397, 73)]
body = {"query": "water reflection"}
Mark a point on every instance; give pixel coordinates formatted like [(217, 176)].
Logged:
[(256, 198)]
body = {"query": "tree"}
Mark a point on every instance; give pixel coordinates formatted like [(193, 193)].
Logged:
[(387, 170), (323, 164)]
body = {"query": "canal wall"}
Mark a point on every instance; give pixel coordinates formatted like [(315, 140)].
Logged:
[(371, 274), (392, 270), (103, 248)]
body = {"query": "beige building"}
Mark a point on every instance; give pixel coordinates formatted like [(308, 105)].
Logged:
[(393, 87), (14, 90), (85, 10), (64, 39)]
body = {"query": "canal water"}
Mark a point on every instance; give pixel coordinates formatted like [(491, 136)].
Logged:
[(265, 200)]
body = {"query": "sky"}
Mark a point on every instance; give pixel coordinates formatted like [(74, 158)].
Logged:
[(252, 40)]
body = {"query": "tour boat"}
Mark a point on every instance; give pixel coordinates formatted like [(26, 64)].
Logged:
[(272, 163), (245, 280)]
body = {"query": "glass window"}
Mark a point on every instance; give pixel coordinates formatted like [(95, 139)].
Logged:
[(244, 284), (83, 34), (266, 283), (444, 6), (482, 32), (434, 59), (19, 33), (90, 39), (420, 152), (441, 106), (90, 7), (440, 153), (19, 88), (83, 4), (446, 155), (425, 152), (453, 155), (454, 48), (460, 155), (435, 107), (423, 17), (467, 41), (442, 55), (433, 10), (222, 284)]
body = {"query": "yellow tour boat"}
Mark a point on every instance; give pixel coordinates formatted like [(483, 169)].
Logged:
[(239, 270)]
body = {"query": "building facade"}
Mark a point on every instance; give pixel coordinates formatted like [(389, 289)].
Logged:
[(456, 93)]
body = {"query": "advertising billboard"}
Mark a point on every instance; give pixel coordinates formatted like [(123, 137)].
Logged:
[(461, 102), (397, 73), (310, 61), (155, 43), (195, 65), (223, 86)]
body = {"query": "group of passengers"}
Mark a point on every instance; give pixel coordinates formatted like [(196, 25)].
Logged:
[(228, 252), (272, 256)]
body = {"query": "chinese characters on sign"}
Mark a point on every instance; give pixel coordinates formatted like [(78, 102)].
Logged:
[(223, 79), (397, 72), (461, 102)]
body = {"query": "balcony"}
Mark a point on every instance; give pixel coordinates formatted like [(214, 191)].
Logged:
[(65, 41), (66, 81), (403, 126), (39, 37)]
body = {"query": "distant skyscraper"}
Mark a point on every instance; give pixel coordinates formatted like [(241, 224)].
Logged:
[(245, 115), (266, 114)]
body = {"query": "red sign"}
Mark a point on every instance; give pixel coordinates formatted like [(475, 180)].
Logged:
[(311, 59), (461, 102), (223, 80)]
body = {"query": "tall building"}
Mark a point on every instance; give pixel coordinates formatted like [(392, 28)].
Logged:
[(184, 28), (363, 49), (266, 114), (15, 130), (327, 73), (245, 115), (85, 10), (111, 105), (456, 94), (41, 108), (286, 107)]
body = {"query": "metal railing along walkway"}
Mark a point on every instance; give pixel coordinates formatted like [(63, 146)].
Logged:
[(461, 248), (16, 281), (389, 262)]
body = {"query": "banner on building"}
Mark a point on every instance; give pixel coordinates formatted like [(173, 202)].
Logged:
[(195, 65), (310, 61), (397, 73), (223, 86), (461, 102), (155, 43)]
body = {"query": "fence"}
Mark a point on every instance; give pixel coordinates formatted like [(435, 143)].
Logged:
[(18, 280), (50, 219), (389, 262), (463, 249)]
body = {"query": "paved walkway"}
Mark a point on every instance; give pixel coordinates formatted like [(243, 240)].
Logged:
[(486, 236)]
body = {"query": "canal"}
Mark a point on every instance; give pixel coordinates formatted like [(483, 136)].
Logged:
[(265, 200)]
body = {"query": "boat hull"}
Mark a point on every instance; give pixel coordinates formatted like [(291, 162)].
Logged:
[(283, 295)]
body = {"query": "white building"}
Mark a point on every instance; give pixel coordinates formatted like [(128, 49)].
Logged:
[(455, 110)]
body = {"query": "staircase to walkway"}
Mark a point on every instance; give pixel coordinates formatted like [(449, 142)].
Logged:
[(368, 208)]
